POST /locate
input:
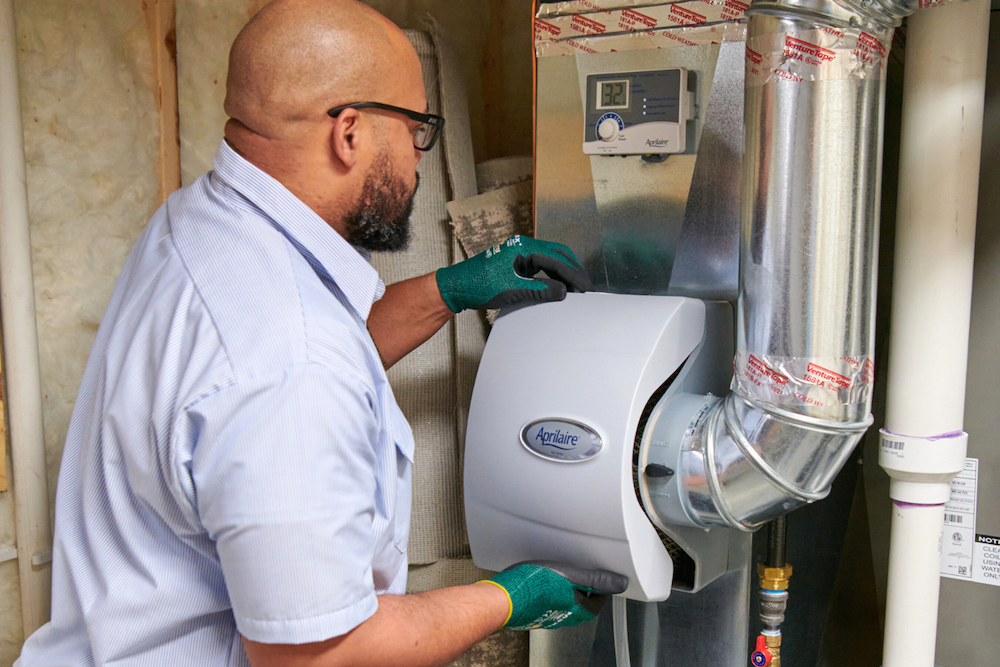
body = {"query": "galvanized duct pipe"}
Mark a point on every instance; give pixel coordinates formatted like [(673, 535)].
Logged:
[(801, 395)]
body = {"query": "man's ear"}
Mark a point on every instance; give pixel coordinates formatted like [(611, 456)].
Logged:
[(347, 137)]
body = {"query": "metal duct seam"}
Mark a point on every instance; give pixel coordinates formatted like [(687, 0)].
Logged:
[(735, 429), (713, 474)]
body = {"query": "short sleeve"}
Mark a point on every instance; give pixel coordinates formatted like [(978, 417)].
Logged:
[(284, 476)]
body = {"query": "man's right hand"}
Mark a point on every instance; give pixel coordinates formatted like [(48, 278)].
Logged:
[(551, 595), (416, 630), (432, 629), (503, 275)]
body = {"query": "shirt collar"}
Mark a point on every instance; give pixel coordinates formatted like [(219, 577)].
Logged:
[(347, 266)]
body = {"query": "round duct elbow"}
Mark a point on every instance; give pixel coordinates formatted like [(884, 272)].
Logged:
[(738, 463)]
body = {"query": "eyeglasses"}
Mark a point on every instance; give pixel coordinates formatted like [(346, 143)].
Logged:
[(423, 137)]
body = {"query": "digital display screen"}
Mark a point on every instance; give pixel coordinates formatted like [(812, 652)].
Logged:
[(613, 94)]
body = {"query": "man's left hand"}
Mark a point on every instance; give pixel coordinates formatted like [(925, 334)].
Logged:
[(504, 275)]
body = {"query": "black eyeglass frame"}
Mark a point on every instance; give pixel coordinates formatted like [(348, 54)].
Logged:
[(436, 123)]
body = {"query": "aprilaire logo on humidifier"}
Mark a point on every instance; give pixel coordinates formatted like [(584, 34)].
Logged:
[(561, 440)]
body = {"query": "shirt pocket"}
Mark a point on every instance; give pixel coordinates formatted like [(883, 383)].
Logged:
[(402, 436)]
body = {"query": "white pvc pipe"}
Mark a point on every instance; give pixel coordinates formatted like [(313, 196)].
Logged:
[(936, 220), (650, 634), (20, 346), (911, 606), (619, 621), (932, 292)]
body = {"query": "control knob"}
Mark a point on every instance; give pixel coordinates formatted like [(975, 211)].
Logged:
[(607, 130)]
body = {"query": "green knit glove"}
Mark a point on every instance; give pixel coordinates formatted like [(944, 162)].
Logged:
[(541, 597), (503, 275)]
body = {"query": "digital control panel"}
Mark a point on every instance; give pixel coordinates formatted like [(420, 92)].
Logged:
[(637, 113)]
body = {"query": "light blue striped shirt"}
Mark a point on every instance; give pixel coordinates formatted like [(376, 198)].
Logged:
[(236, 462)]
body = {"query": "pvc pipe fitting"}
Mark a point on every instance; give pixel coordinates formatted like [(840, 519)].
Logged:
[(922, 468)]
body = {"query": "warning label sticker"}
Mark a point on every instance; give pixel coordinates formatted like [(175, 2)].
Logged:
[(966, 554)]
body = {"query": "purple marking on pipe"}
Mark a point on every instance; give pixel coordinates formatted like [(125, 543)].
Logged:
[(900, 503), (943, 436)]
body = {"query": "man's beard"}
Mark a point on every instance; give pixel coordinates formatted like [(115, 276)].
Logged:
[(381, 219)]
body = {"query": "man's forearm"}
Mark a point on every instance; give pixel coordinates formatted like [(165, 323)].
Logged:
[(421, 630), (410, 312)]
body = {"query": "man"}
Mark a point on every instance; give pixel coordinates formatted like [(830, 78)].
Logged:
[(235, 484)]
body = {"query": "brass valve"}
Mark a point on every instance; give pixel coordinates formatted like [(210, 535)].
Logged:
[(774, 645), (774, 578), (768, 651)]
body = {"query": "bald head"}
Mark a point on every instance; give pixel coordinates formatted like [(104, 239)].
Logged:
[(298, 58)]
